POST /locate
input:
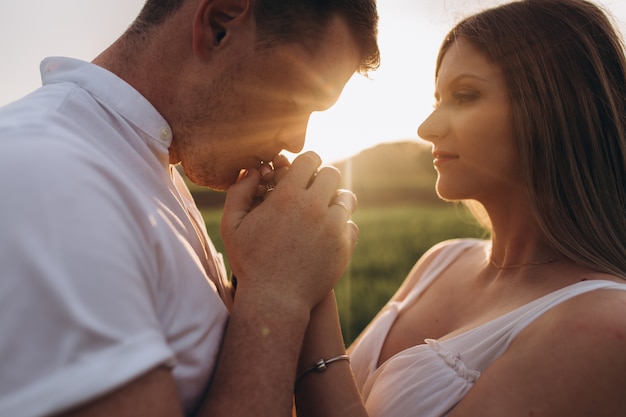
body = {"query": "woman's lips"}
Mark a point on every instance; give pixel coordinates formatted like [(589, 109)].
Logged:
[(441, 157)]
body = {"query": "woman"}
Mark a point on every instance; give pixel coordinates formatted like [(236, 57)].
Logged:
[(530, 129)]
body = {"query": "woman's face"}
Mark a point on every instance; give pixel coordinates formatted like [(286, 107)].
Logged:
[(471, 128)]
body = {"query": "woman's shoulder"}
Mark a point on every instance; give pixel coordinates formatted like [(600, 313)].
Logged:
[(458, 244), (450, 250), (603, 303), (439, 256), (569, 361), (592, 323)]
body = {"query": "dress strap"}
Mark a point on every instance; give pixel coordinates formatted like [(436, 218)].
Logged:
[(450, 250)]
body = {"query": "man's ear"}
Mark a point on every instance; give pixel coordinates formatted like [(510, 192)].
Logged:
[(214, 21)]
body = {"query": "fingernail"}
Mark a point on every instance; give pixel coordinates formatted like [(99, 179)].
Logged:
[(260, 191), (242, 174), (280, 161), (266, 170)]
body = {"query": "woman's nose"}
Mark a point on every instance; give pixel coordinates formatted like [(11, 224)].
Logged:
[(433, 127)]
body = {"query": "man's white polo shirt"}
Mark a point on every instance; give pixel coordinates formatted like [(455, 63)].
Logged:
[(103, 274)]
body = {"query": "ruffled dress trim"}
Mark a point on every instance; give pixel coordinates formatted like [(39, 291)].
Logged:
[(454, 361)]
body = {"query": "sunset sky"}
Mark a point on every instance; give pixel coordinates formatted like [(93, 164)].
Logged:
[(386, 107)]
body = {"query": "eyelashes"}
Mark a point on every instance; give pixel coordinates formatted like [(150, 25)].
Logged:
[(458, 98), (465, 97)]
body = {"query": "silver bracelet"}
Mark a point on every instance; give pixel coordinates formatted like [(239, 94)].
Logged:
[(320, 365)]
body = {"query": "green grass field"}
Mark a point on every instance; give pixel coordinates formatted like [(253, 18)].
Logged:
[(391, 240)]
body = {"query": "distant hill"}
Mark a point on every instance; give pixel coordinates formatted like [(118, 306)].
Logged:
[(390, 173)]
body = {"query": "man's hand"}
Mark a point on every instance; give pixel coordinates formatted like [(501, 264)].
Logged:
[(298, 241)]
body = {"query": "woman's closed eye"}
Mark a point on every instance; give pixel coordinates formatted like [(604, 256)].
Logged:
[(457, 98), (462, 97)]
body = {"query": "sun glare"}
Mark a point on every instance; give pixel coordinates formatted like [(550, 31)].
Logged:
[(391, 104), (387, 107)]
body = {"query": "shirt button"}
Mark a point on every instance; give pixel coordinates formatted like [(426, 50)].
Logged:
[(165, 134)]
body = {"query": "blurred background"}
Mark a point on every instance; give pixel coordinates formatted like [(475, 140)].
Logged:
[(387, 107), (370, 133)]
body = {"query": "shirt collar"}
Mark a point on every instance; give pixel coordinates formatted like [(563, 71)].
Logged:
[(117, 94)]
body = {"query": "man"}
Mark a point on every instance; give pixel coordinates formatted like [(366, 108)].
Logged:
[(113, 299)]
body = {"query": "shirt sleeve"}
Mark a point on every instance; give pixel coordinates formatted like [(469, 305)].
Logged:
[(78, 283)]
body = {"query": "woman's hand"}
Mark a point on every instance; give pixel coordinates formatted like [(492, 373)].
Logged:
[(333, 392)]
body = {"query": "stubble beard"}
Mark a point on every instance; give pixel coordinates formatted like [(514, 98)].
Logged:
[(200, 164), (198, 144)]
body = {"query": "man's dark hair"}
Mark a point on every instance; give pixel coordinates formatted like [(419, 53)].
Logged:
[(299, 21)]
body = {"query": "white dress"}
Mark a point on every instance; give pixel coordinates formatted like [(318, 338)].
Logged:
[(430, 379)]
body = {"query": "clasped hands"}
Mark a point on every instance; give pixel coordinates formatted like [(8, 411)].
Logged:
[(294, 238)]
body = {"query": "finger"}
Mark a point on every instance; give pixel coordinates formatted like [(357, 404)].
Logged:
[(302, 169), (279, 173), (261, 190), (281, 161), (271, 173), (353, 231), (265, 189), (346, 200), (281, 167), (240, 198), (267, 171), (327, 178)]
